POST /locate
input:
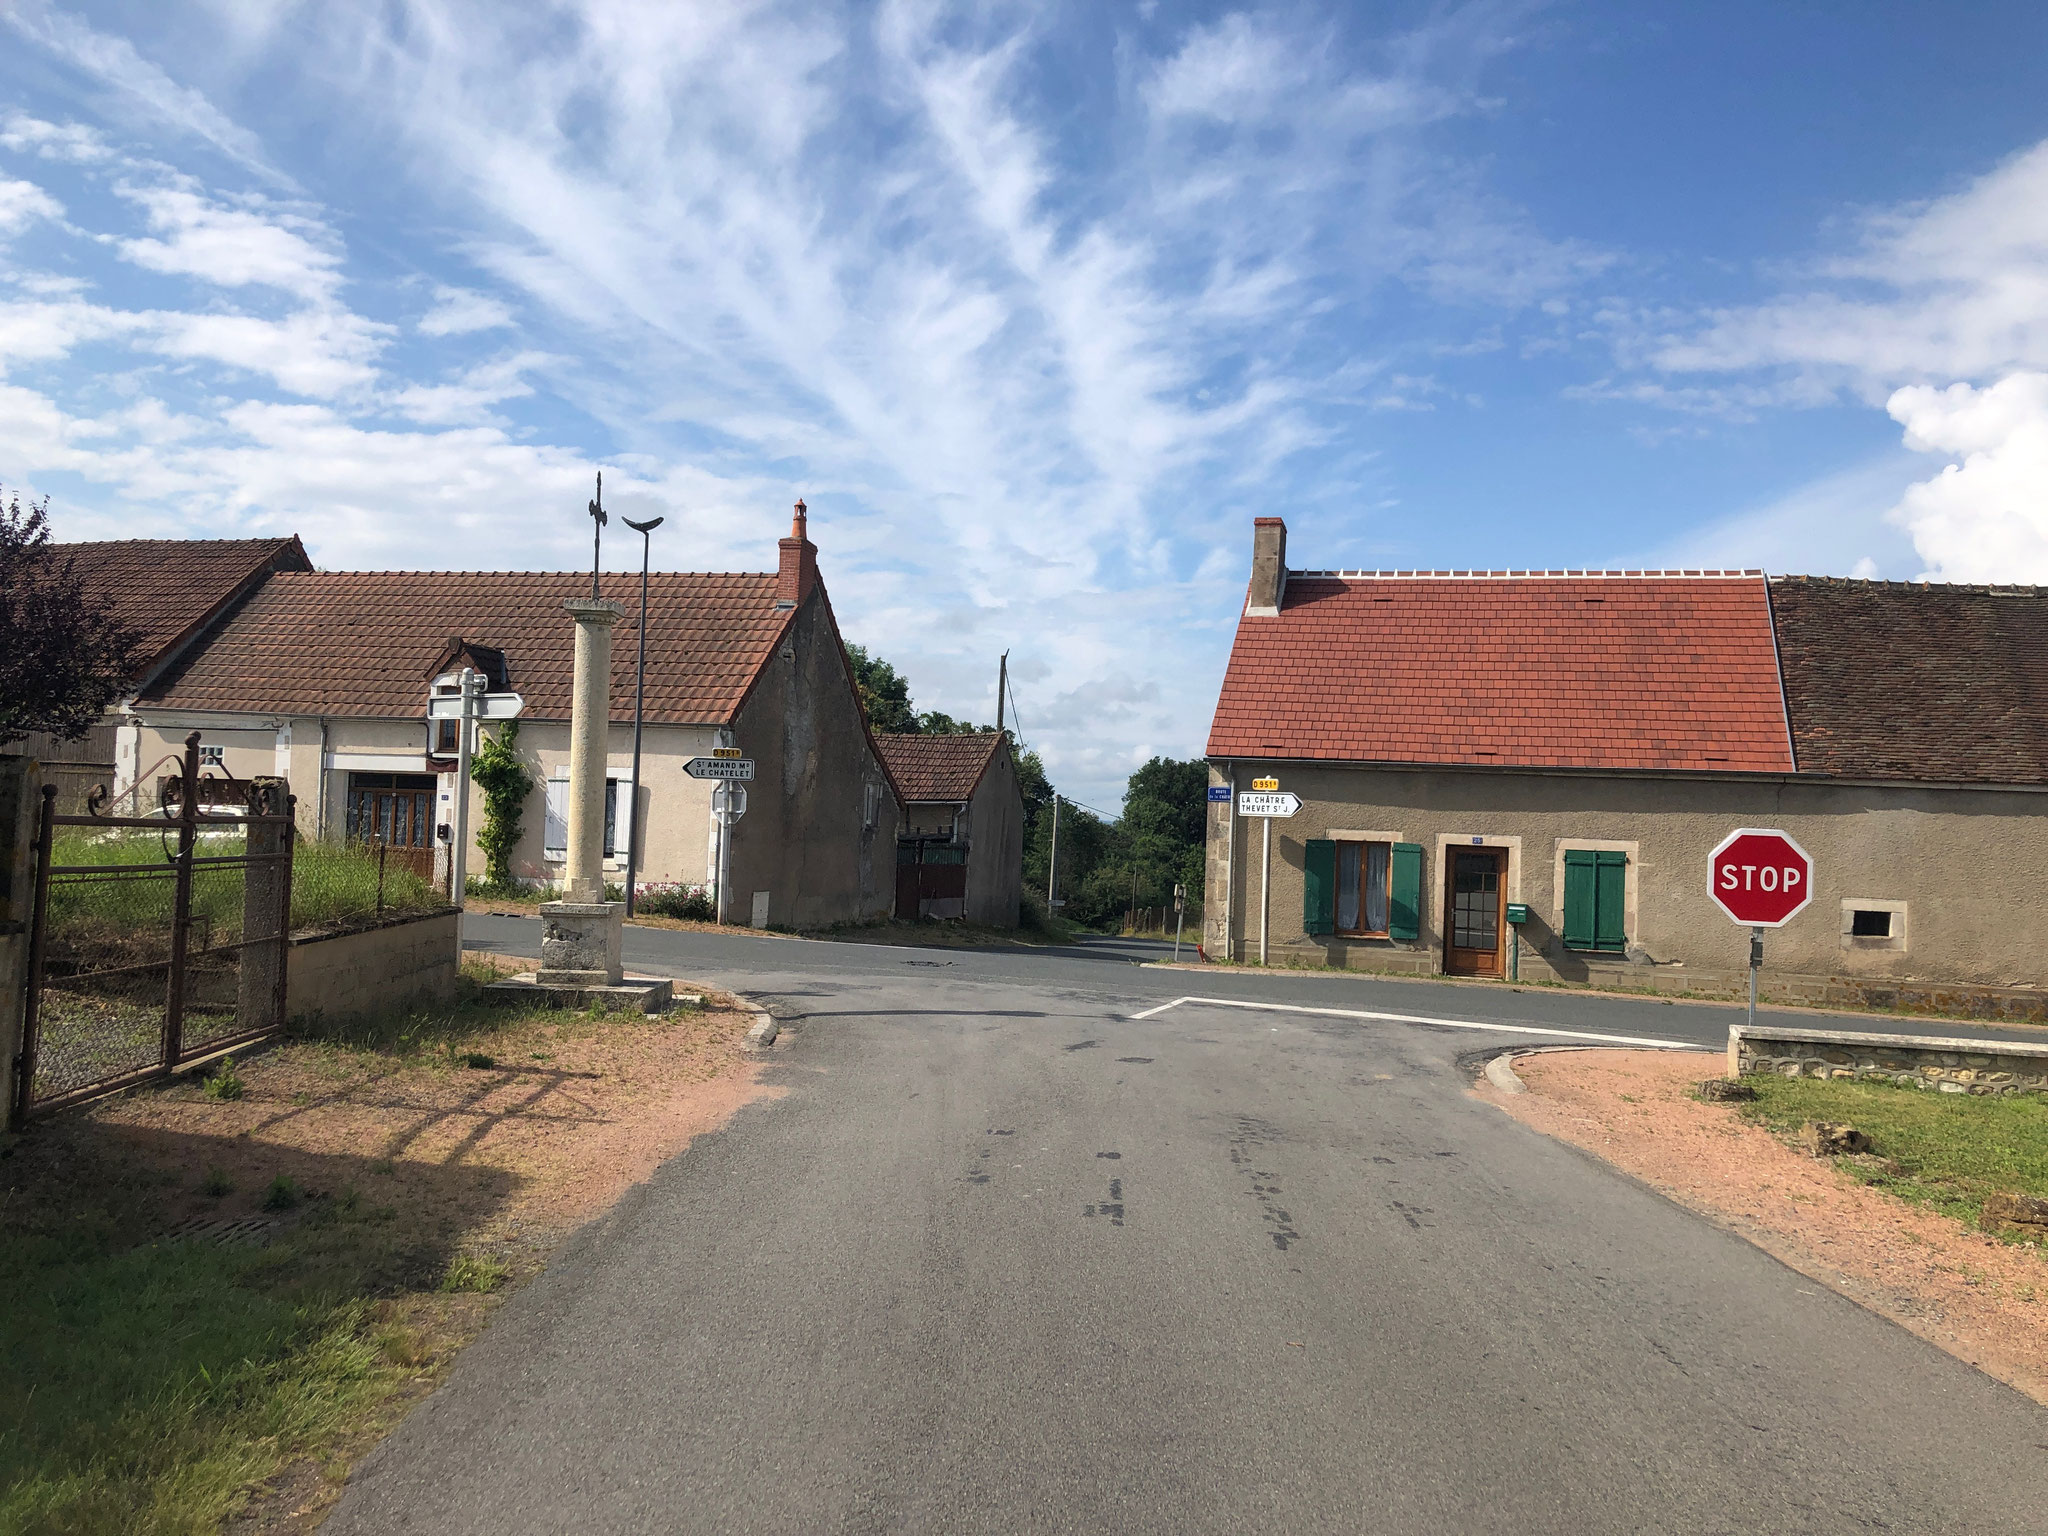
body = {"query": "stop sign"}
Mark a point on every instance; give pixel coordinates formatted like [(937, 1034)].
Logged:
[(1760, 877)]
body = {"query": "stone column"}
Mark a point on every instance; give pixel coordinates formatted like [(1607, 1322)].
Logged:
[(590, 721), (580, 934)]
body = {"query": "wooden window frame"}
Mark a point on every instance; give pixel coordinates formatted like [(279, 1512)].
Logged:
[(1337, 893)]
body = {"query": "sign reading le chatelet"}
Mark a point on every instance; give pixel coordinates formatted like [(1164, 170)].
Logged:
[(1255, 803), (732, 769)]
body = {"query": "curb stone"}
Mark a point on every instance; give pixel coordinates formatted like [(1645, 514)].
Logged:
[(1500, 1071), (765, 1028)]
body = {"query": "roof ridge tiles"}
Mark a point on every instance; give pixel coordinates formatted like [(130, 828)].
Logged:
[(1525, 575)]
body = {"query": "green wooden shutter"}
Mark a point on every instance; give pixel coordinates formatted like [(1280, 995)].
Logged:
[(1404, 892), (1581, 898), (1610, 894), (1319, 887)]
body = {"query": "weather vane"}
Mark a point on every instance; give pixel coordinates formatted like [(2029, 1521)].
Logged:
[(598, 520)]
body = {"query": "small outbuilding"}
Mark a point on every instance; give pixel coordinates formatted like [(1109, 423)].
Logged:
[(1505, 772), (960, 853)]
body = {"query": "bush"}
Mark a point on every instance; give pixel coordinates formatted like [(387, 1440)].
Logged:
[(692, 903)]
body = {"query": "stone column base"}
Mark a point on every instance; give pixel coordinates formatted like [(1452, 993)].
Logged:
[(580, 943)]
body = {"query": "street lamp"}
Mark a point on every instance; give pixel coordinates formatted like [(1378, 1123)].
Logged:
[(645, 530)]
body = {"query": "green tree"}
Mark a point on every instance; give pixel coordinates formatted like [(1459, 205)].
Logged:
[(65, 656), (496, 769), (884, 693)]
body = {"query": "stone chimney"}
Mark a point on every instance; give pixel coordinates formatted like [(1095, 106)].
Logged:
[(799, 569), (1269, 568)]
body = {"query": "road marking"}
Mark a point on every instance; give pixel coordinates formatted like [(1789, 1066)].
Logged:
[(1423, 1018)]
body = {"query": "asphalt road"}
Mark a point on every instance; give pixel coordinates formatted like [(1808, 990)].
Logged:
[(1005, 1257)]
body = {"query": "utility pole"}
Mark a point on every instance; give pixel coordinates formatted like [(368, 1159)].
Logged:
[(1052, 865), (1002, 689)]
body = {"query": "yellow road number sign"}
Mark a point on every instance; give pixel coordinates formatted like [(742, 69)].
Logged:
[(1265, 783)]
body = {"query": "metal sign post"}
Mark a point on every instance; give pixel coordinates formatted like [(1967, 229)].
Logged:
[(1269, 804), (465, 701), (728, 805), (1762, 879), (1180, 906)]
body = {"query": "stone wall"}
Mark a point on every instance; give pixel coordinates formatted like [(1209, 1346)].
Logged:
[(1923, 1061), (399, 963)]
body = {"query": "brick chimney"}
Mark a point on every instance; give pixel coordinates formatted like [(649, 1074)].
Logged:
[(1269, 568), (799, 570)]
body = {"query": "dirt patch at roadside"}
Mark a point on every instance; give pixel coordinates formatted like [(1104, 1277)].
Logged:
[(1980, 1299)]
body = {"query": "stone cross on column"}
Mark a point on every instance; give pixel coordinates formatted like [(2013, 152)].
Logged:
[(580, 935)]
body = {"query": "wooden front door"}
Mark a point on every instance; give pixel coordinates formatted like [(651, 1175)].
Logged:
[(395, 809), (1475, 889)]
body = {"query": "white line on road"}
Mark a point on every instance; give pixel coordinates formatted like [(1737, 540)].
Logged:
[(1423, 1018)]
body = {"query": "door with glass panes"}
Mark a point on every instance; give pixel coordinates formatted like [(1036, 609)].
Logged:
[(395, 810), (1475, 881)]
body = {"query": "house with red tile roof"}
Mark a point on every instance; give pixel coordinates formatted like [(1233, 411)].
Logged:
[(1524, 773), (172, 592), (323, 677), (961, 851)]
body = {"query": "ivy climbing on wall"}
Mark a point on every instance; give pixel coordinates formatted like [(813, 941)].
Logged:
[(498, 772)]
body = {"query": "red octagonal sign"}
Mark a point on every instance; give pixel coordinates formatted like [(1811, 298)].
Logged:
[(1760, 877)]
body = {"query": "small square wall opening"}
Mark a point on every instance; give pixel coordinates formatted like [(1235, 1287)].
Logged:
[(1866, 924)]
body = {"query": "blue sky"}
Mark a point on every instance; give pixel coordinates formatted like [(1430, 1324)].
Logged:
[(1037, 305)]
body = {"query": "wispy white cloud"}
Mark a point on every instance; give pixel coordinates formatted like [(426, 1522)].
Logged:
[(136, 87), (459, 311), (232, 246), (21, 201), (1029, 369), (1939, 311)]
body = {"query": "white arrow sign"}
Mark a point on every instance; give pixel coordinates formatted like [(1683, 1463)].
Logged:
[(734, 769), (1262, 803), (488, 706)]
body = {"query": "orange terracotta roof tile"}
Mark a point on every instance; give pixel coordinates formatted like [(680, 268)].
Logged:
[(1580, 670), (367, 643), (169, 588), (938, 767)]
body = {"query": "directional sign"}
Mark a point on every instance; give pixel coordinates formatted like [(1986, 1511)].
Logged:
[(488, 706), (733, 769), (1760, 877), (1251, 803)]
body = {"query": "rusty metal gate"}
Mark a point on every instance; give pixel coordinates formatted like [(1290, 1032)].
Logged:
[(157, 940)]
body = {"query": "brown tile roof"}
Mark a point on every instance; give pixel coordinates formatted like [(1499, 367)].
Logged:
[(170, 588), (929, 768), (1912, 680), (1569, 670), (367, 643)]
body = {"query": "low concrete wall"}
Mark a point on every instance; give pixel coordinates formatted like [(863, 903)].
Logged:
[(1924, 1061), (400, 962)]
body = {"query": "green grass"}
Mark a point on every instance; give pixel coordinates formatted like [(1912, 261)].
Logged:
[(1950, 1149), (332, 883), (148, 1386)]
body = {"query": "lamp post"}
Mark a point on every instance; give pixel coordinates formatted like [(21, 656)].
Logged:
[(646, 532)]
